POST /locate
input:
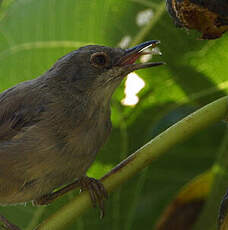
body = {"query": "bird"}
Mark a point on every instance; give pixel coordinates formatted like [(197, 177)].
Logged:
[(52, 127)]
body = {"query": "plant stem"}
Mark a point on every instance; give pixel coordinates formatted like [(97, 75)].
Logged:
[(185, 128), (146, 29)]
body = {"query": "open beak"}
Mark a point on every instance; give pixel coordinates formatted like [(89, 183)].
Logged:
[(132, 54)]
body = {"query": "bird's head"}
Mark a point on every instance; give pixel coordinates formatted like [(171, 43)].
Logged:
[(100, 69)]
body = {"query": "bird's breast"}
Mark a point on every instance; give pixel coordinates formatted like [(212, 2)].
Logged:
[(85, 139)]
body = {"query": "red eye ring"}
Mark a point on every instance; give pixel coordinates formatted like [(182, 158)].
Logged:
[(99, 59)]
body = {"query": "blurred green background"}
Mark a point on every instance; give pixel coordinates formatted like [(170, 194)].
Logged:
[(35, 33)]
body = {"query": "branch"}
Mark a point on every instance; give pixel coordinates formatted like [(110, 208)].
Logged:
[(185, 128)]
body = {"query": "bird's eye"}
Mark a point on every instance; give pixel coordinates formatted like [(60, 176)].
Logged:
[(99, 59)]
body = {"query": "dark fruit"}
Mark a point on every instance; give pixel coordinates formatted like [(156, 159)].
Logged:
[(210, 17)]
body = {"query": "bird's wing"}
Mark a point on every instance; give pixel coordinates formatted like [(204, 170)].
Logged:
[(18, 110)]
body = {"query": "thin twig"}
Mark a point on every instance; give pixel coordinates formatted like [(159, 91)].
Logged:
[(146, 29)]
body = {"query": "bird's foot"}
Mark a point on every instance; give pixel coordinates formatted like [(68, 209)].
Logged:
[(6, 225), (96, 190)]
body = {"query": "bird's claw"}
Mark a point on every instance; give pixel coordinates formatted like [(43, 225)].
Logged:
[(96, 190)]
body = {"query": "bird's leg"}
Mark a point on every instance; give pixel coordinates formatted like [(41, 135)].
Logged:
[(95, 187), (48, 198), (7, 225)]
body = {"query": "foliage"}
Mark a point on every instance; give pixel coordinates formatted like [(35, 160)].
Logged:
[(34, 34)]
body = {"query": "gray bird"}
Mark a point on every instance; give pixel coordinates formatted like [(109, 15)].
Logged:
[(52, 127)]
